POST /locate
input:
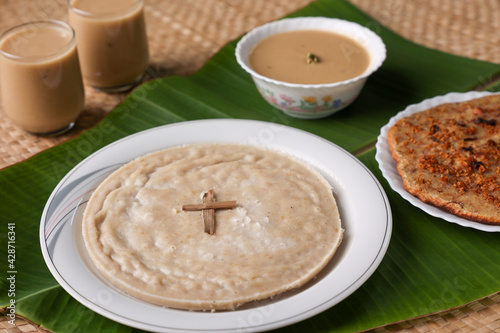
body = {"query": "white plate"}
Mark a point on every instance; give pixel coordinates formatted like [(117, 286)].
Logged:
[(363, 205), (388, 166)]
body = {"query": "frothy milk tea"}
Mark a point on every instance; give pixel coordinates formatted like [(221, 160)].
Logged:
[(40, 78), (112, 42)]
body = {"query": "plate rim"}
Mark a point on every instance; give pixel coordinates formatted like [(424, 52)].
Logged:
[(387, 164), (276, 324)]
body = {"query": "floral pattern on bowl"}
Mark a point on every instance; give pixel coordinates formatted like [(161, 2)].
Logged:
[(305, 104)]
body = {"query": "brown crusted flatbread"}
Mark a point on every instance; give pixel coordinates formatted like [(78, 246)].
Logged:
[(449, 156), (284, 230)]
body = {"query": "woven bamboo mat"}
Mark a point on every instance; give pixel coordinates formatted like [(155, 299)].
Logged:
[(184, 34)]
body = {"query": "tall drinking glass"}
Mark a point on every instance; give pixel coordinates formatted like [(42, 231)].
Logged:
[(40, 77), (112, 42)]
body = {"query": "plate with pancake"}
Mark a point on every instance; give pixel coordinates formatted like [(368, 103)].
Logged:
[(455, 144), (363, 207)]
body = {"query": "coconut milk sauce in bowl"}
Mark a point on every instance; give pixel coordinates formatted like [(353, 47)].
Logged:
[(310, 67)]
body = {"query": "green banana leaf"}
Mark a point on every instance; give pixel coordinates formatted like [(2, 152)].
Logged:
[(431, 265)]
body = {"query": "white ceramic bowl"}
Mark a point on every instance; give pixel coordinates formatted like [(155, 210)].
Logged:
[(311, 101)]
